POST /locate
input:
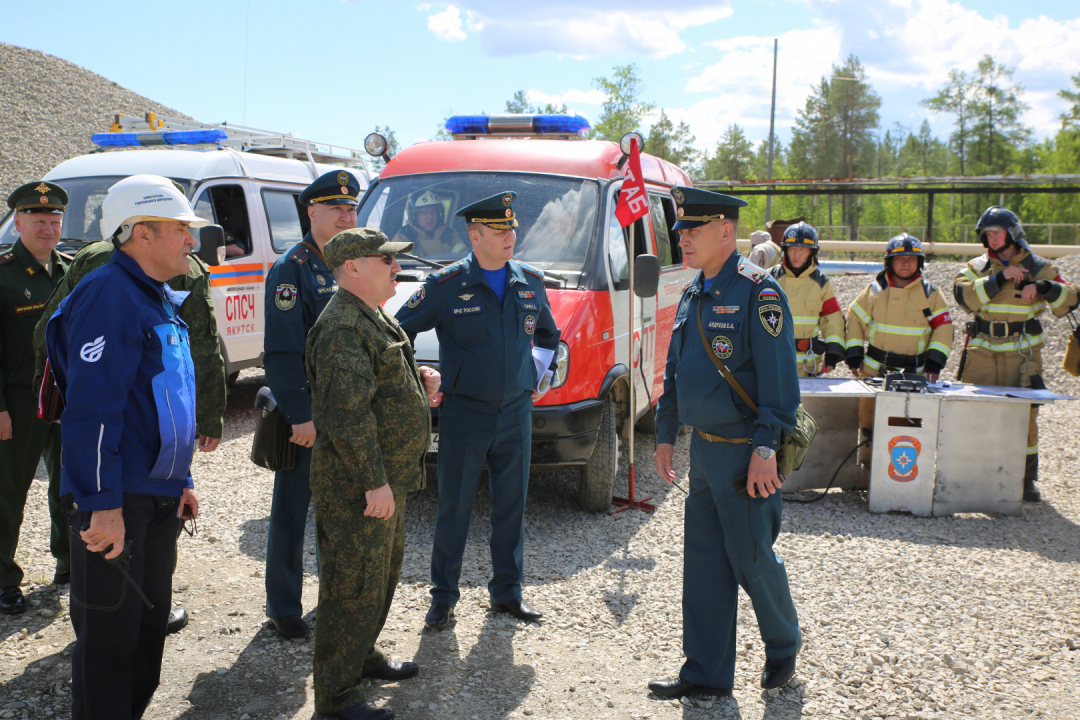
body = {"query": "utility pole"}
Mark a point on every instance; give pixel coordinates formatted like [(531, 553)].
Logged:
[(772, 122)]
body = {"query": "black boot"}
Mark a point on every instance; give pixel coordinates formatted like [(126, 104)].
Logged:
[(1031, 474)]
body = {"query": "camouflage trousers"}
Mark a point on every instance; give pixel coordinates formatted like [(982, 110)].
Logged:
[(360, 561)]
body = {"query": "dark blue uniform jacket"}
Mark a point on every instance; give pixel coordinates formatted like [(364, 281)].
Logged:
[(297, 289), (485, 350), (748, 326), (122, 361)]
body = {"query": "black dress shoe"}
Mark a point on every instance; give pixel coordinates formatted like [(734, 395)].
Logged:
[(776, 673), (12, 601), (291, 626), (393, 670), (519, 609), (178, 618), (366, 710), (61, 578), (678, 687), (439, 615)]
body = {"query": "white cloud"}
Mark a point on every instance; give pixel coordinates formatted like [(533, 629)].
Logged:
[(568, 98), (575, 29), (447, 24)]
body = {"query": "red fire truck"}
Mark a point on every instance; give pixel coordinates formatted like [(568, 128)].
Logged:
[(567, 191)]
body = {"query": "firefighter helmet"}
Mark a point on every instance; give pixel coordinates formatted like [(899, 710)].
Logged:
[(801, 234), (904, 245), (999, 217)]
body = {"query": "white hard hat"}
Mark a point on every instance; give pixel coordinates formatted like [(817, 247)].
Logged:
[(140, 198), (759, 236)]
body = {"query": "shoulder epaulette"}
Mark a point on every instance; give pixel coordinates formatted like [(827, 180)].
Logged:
[(6, 258), (819, 277), (448, 271), (752, 272), (530, 269), (301, 256)]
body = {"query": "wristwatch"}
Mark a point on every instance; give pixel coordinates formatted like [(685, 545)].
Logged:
[(765, 453)]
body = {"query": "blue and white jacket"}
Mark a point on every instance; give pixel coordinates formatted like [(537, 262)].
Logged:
[(123, 365)]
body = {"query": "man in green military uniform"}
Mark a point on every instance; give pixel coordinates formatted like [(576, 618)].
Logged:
[(370, 408), (198, 312), (28, 273)]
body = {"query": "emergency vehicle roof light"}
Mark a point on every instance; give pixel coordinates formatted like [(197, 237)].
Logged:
[(148, 139), (624, 142), (376, 144), (517, 125)]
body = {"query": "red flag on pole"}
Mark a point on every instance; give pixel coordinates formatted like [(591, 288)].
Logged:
[(633, 203)]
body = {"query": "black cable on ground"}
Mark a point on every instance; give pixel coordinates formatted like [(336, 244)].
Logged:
[(828, 487)]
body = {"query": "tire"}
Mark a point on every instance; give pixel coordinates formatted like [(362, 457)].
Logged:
[(230, 380), (598, 475)]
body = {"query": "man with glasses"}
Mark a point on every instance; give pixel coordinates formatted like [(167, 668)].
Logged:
[(298, 287)]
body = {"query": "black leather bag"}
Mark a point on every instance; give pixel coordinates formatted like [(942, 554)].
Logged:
[(271, 447)]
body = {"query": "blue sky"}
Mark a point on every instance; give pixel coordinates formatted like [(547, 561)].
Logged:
[(331, 70)]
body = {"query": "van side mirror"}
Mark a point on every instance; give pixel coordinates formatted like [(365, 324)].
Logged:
[(211, 238), (646, 275)]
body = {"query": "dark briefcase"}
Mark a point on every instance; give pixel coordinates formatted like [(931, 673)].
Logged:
[(50, 402), (271, 447)]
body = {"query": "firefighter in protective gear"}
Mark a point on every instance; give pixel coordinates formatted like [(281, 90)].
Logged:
[(1006, 290), (427, 229), (764, 252), (901, 318), (813, 302)]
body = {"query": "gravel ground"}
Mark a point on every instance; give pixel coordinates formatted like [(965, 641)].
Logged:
[(49, 108), (961, 617)]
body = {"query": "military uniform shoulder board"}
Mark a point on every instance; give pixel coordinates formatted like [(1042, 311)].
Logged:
[(448, 271), (6, 258), (686, 285), (530, 269), (752, 272), (301, 256)]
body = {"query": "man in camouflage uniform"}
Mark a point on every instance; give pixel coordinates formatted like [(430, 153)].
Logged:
[(28, 273), (370, 408), (198, 312)]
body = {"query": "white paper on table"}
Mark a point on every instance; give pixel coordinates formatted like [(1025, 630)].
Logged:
[(541, 360)]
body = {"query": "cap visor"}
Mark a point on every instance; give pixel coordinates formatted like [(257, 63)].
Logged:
[(686, 224), (338, 201), (395, 247)]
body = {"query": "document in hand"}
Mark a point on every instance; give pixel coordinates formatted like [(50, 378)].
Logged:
[(542, 360)]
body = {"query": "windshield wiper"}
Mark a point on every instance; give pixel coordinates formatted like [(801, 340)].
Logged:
[(429, 263)]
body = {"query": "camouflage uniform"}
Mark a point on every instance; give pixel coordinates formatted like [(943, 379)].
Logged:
[(197, 312), (371, 415)]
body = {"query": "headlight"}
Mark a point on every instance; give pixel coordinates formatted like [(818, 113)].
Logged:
[(376, 144), (562, 365)]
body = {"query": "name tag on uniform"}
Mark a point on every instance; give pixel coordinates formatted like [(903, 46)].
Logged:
[(326, 290), (529, 306), (467, 310), (732, 325)]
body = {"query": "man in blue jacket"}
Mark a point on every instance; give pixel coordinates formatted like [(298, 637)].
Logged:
[(735, 312), (122, 362)]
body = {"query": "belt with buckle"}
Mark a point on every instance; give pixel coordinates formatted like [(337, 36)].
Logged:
[(896, 360), (999, 329), (717, 438)]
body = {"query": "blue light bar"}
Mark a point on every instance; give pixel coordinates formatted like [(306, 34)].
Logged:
[(150, 139), (518, 125)]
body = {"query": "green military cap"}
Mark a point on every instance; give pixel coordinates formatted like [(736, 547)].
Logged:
[(496, 212), (358, 242), (337, 187), (38, 196), (694, 207)]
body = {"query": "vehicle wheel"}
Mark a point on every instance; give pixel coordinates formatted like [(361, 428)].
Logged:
[(230, 380), (598, 475)]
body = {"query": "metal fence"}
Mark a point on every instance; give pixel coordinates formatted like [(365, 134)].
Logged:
[(1037, 233)]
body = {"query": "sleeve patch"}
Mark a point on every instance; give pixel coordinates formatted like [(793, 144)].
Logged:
[(417, 297), (830, 306), (285, 296), (939, 319), (768, 295), (772, 318)]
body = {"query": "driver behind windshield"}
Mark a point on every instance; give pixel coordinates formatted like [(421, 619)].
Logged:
[(427, 229)]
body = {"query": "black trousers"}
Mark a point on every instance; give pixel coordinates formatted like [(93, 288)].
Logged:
[(116, 664)]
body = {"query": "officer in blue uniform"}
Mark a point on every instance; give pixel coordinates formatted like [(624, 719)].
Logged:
[(491, 314), (729, 532), (298, 287)]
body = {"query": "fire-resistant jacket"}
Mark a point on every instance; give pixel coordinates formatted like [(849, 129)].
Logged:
[(981, 289), (815, 310), (911, 324), (122, 361)]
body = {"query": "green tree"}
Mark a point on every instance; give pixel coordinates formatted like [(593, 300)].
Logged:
[(392, 147), (996, 131), (734, 157), (1071, 120), (674, 144), (954, 98), (520, 104), (623, 109)]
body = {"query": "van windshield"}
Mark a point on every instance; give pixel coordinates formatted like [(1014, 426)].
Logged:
[(556, 215), (82, 218)]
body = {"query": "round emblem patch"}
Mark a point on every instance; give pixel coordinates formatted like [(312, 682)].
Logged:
[(345, 189), (343, 178), (507, 199), (530, 324), (722, 347), (321, 279), (44, 200), (678, 195), (417, 297), (509, 212), (285, 297), (679, 212)]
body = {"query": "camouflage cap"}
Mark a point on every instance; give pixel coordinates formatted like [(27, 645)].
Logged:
[(358, 242)]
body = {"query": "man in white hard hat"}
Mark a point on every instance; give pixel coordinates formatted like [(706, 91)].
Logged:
[(122, 362)]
